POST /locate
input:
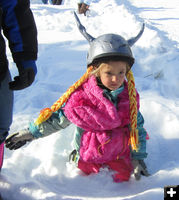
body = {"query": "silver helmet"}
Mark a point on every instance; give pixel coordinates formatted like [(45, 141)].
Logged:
[(108, 45)]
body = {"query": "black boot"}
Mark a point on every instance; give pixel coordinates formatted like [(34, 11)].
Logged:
[(56, 2)]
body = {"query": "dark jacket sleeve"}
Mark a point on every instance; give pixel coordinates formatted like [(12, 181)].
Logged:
[(19, 28)]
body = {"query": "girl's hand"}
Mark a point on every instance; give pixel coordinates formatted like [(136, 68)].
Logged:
[(140, 168), (19, 139)]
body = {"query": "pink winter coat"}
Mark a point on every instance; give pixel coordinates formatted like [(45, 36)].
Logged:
[(106, 129)]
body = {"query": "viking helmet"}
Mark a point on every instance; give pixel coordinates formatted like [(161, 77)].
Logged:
[(108, 45)]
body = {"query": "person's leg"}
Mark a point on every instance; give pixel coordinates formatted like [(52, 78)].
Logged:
[(58, 2), (79, 7), (6, 109), (122, 168), (88, 168), (53, 2)]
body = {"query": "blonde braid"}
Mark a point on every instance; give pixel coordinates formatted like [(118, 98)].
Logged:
[(47, 112), (133, 111)]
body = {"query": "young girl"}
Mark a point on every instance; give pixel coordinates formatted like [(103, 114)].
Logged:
[(104, 106)]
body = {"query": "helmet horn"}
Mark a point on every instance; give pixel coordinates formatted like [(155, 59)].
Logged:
[(82, 29), (133, 40)]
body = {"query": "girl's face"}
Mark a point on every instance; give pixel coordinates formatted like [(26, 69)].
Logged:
[(112, 75)]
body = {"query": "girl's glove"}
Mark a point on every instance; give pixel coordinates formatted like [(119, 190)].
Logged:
[(19, 139), (140, 168)]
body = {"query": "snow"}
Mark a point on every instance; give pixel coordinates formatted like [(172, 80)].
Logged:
[(40, 170)]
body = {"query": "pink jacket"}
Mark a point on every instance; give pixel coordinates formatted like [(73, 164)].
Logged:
[(106, 129)]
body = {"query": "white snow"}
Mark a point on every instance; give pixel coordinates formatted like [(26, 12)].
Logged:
[(40, 170)]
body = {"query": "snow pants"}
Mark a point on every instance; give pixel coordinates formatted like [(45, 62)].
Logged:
[(122, 168), (6, 109)]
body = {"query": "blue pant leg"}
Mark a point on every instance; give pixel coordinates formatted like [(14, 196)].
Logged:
[(6, 104)]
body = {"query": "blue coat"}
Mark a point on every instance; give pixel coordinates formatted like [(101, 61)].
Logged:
[(21, 35)]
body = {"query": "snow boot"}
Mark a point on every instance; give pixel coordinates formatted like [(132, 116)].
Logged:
[(74, 156)]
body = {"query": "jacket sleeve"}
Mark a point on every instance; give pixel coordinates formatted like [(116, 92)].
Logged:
[(20, 29), (55, 123), (141, 154)]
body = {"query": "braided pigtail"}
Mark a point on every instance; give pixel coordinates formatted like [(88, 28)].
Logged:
[(133, 111), (47, 112)]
